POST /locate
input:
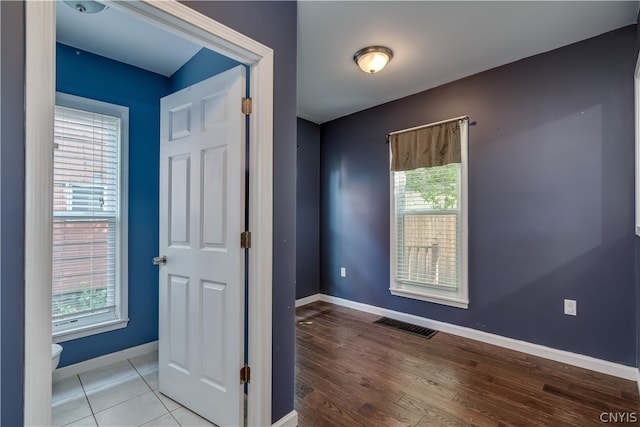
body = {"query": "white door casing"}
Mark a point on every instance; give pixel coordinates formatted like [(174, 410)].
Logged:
[(202, 198)]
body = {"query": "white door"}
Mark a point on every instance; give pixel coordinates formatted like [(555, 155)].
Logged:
[(202, 169)]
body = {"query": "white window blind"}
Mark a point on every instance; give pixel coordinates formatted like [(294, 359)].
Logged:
[(427, 215), (86, 203)]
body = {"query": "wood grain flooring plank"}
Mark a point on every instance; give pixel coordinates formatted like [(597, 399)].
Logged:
[(329, 412), (387, 413), (351, 372)]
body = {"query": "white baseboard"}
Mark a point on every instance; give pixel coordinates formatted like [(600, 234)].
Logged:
[(307, 300), (579, 360), (638, 379), (107, 359), (289, 420)]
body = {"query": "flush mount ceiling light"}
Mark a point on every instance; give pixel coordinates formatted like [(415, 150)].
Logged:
[(86, 6), (373, 58)]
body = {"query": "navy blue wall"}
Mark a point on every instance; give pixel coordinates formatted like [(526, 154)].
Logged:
[(12, 215), (551, 198), (201, 66), (275, 25), (637, 253), (91, 76), (257, 20), (637, 33), (308, 210)]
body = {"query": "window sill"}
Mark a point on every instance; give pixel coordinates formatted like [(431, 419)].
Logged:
[(438, 299), (87, 330)]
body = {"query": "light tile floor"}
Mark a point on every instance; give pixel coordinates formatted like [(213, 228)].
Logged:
[(123, 394)]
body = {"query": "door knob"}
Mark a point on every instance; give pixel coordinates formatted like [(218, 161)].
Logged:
[(159, 260)]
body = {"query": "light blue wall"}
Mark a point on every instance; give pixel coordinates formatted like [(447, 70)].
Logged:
[(201, 66), (85, 74), (91, 76)]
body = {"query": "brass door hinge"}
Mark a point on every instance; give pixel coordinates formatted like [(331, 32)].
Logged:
[(245, 240), (245, 374), (246, 106)]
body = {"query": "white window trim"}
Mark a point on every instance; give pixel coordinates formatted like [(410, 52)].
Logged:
[(106, 322), (459, 299)]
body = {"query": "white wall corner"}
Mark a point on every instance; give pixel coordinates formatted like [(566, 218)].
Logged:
[(562, 356), (289, 420), (308, 300)]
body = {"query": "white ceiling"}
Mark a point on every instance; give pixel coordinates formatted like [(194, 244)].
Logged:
[(116, 35), (433, 43)]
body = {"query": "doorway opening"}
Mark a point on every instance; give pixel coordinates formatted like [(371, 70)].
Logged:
[(40, 90)]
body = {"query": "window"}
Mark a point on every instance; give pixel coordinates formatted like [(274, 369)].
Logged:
[(89, 289), (429, 226)]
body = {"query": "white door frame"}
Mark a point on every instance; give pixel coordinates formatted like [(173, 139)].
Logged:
[(39, 102)]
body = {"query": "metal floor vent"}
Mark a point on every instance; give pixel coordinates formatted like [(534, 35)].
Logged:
[(406, 327)]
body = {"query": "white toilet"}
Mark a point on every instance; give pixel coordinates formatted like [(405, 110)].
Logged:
[(56, 349)]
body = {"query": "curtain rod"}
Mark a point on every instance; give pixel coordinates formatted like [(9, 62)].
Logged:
[(426, 126)]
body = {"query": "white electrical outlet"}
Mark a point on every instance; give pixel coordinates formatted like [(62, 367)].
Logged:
[(570, 307), (343, 272)]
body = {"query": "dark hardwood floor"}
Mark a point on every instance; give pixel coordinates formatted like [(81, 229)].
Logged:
[(351, 372)]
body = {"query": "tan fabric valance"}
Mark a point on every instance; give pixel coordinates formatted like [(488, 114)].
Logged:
[(425, 147)]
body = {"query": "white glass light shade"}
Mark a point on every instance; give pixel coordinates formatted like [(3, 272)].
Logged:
[(86, 6), (373, 59)]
